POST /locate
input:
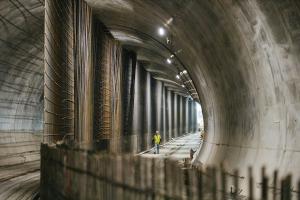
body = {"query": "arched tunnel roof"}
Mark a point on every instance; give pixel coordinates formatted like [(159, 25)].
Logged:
[(243, 57)]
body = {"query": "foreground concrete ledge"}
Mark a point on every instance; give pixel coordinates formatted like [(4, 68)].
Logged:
[(73, 173), (68, 173)]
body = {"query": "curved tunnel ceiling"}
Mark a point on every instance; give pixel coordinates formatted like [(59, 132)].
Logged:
[(243, 57)]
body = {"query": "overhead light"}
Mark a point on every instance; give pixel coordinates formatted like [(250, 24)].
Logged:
[(177, 76), (161, 31), (172, 56), (183, 86), (184, 71), (170, 21), (169, 61)]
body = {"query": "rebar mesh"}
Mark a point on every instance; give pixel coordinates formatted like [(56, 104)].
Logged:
[(59, 70), (108, 77)]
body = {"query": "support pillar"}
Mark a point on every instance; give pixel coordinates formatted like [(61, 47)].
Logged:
[(170, 116), (186, 125), (181, 115), (158, 105), (108, 90), (195, 115), (137, 139), (129, 70), (164, 113), (84, 71), (149, 111), (176, 111)]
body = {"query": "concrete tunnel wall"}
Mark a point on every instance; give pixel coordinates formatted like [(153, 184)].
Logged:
[(243, 57), (249, 83), (21, 82)]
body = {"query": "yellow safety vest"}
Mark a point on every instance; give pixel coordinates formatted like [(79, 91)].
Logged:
[(156, 139)]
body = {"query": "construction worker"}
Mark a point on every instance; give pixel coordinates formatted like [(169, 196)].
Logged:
[(157, 140)]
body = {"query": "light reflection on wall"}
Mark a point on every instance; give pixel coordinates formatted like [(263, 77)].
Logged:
[(200, 123)]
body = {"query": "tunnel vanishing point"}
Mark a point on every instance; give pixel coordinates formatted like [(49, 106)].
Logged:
[(84, 84)]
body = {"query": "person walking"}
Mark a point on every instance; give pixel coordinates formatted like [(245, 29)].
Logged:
[(157, 140)]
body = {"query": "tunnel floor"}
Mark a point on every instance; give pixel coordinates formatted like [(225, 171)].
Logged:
[(178, 148)]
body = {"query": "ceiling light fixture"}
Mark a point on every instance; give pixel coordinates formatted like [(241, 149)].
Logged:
[(169, 61), (184, 71), (161, 31), (170, 21), (183, 86), (177, 76)]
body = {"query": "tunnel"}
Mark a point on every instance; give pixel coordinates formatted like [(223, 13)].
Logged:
[(60, 79)]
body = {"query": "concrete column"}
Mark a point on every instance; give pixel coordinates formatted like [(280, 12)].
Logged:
[(190, 117), (148, 111), (108, 90), (183, 129), (164, 112), (186, 101), (58, 71), (84, 70), (129, 70), (175, 115), (153, 105), (158, 105), (170, 116), (181, 115), (195, 125), (138, 130)]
